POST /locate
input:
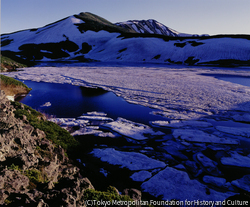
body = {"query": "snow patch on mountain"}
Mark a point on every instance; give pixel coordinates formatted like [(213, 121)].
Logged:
[(63, 40), (56, 32), (150, 26)]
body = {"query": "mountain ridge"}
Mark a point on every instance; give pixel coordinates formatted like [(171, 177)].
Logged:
[(151, 26), (87, 37)]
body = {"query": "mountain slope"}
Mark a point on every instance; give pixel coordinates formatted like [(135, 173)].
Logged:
[(87, 37), (150, 27), (96, 23)]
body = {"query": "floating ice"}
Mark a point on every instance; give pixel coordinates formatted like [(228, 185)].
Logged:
[(172, 114), (243, 183), (179, 167), (95, 118), (239, 131), (130, 160), (174, 152), (236, 160), (181, 124), (95, 113), (191, 135), (174, 184), (209, 165), (80, 123), (131, 129), (216, 181), (87, 130), (242, 117), (104, 172), (141, 176), (61, 120), (47, 104)]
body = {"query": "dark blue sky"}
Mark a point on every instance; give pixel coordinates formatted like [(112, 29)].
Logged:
[(187, 16)]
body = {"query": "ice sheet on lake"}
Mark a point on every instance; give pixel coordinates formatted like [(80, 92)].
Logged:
[(141, 176), (243, 183), (131, 129), (236, 160), (209, 165), (70, 122), (176, 115), (238, 131), (130, 160), (61, 120), (174, 184), (95, 113), (87, 131), (191, 135), (242, 117), (182, 93), (95, 118), (181, 124), (216, 181)]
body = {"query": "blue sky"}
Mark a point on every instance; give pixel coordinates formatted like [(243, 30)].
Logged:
[(187, 16)]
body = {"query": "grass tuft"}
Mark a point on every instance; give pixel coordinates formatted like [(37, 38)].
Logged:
[(13, 87), (55, 133), (9, 64)]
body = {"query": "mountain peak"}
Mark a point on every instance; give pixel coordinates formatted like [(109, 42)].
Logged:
[(149, 26), (96, 23)]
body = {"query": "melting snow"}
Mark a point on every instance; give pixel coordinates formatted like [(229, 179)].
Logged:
[(181, 124), (242, 131), (130, 160), (141, 176), (243, 183), (191, 135), (236, 160), (174, 184), (131, 129)]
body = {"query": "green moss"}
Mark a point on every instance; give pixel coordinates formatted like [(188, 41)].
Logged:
[(34, 175), (7, 63), (109, 195), (55, 133), (44, 153), (11, 81), (7, 201), (14, 167)]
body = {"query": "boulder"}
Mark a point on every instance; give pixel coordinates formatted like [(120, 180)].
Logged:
[(132, 193)]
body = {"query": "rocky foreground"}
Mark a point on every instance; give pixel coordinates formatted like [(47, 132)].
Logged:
[(33, 170)]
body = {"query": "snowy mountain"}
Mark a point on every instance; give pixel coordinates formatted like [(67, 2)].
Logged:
[(150, 27), (88, 37)]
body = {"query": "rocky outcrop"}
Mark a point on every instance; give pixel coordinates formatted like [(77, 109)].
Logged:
[(33, 171)]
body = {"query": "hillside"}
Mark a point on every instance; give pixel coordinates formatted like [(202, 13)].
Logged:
[(87, 37)]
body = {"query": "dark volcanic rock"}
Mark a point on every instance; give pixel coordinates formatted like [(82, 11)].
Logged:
[(33, 171)]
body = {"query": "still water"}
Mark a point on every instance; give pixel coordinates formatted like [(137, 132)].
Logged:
[(70, 101)]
